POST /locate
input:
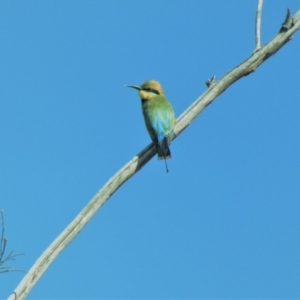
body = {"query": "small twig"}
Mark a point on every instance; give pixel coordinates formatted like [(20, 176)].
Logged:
[(257, 25), (10, 256), (3, 239), (209, 82), (10, 269), (288, 22)]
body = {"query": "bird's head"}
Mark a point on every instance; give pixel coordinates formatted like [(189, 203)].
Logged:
[(148, 89)]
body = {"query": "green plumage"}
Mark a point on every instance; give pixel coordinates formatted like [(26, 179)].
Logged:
[(159, 118), (158, 115)]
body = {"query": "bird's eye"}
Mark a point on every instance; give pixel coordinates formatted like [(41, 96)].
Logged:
[(152, 91)]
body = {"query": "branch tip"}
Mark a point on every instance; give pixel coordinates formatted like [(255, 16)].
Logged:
[(209, 82), (288, 22)]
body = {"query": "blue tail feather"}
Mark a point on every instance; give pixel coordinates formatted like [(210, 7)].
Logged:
[(163, 150)]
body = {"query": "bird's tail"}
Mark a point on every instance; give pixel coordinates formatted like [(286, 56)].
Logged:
[(163, 150)]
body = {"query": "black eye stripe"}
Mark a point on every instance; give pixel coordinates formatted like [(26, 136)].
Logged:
[(152, 91)]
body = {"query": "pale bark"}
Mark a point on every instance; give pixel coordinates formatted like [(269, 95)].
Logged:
[(258, 24)]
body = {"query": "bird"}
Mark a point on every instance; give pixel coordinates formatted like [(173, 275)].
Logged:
[(158, 115)]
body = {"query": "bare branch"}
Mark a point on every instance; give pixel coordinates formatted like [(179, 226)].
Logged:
[(3, 240), (10, 256), (5, 269), (137, 162), (258, 25)]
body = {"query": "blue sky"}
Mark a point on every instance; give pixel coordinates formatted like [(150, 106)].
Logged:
[(223, 223)]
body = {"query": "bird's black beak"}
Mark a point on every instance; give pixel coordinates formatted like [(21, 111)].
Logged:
[(134, 87)]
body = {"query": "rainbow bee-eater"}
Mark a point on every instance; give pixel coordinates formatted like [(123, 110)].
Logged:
[(158, 115)]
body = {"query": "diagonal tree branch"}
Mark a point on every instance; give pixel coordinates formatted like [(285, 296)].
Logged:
[(137, 162)]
